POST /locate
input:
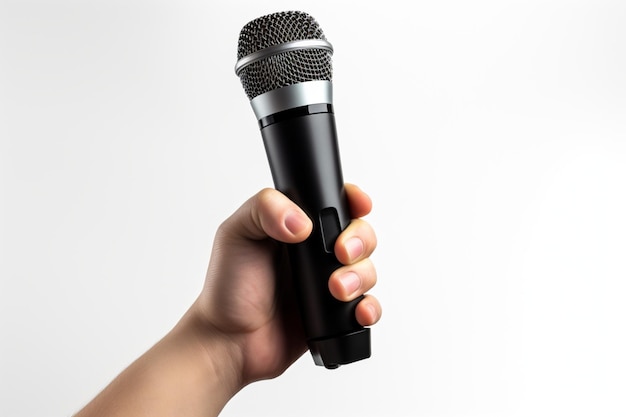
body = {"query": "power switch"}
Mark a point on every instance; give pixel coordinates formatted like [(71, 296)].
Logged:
[(329, 220)]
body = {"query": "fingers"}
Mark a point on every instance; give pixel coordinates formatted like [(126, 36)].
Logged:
[(358, 275), (353, 248), (360, 203), (269, 214), (368, 311), (357, 242), (352, 281)]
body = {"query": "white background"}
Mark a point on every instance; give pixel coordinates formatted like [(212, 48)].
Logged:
[(491, 136)]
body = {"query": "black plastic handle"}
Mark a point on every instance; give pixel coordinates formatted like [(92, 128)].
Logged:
[(304, 160)]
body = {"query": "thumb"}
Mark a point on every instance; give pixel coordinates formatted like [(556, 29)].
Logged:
[(269, 213)]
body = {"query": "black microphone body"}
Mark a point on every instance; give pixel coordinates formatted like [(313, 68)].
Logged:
[(305, 164), (299, 134)]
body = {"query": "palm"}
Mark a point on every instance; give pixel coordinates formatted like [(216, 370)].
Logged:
[(248, 302)]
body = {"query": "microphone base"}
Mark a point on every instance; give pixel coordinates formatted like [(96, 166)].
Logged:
[(341, 350)]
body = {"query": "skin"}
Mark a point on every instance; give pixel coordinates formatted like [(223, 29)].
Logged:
[(244, 326)]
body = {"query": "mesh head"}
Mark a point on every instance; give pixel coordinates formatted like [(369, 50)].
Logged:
[(285, 68)]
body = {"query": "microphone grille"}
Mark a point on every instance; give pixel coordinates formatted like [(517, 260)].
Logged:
[(284, 68)]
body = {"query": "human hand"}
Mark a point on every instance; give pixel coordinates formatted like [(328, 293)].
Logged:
[(244, 326), (247, 297)]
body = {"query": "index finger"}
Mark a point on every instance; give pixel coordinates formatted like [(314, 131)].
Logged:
[(360, 203)]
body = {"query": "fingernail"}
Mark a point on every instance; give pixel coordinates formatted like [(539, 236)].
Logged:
[(355, 247), (373, 312), (295, 222), (350, 282)]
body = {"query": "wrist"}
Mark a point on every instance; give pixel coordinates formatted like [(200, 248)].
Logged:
[(217, 356)]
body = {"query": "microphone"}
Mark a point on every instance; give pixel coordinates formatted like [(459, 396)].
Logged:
[(284, 64)]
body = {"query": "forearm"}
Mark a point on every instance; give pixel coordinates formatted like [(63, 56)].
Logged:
[(190, 372)]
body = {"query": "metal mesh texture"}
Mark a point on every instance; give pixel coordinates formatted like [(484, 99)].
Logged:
[(286, 68)]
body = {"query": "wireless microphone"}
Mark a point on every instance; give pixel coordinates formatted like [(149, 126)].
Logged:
[(284, 63)]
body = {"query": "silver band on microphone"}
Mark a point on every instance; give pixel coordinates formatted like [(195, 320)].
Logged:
[(283, 47), (292, 96)]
